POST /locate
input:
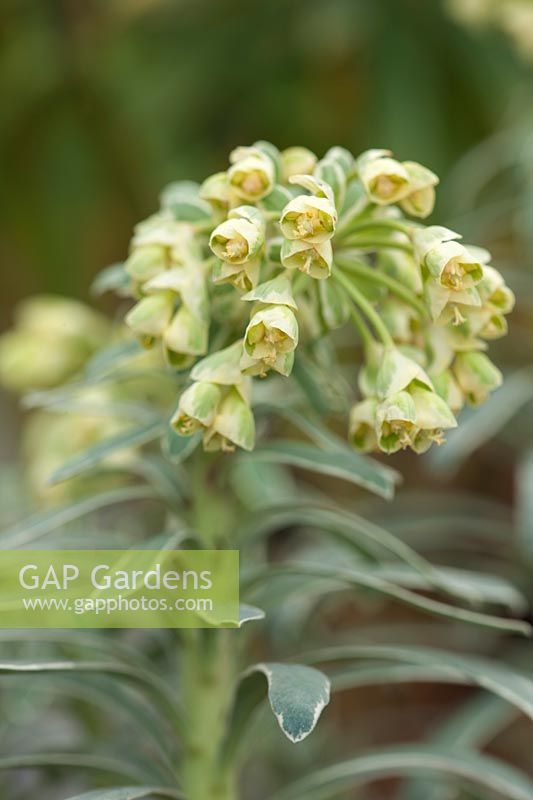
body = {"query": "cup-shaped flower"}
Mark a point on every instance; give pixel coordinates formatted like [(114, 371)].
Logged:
[(420, 200), (239, 238), (233, 426), (476, 375), (384, 179), (252, 176), (453, 266), (271, 332), (433, 417), (448, 305), (297, 161), (396, 422), (310, 219), (197, 408), (362, 429), (254, 367), (314, 260), (152, 314)]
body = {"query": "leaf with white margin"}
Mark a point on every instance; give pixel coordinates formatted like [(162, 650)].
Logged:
[(297, 696), (248, 613)]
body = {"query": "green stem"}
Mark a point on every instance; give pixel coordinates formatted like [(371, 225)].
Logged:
[(208, 678), (361, 269), (365, 306), (208, 674), (376, 244), (359, 323), (372, 224)]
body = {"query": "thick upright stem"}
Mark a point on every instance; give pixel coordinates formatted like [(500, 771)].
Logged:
[(208, 679), (208, 663)]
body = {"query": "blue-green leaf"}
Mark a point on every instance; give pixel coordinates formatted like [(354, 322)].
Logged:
[(99, 452), (297, 696), (480, 770), (130, 793), (111, 279), (344, 464)]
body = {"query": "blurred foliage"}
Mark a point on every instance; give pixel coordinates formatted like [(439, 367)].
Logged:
[(104, 101)]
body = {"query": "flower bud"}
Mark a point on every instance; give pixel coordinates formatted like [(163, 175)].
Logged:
[(331, 172), (234, 425), (343, 157), (385, 180), (297, 161), (399, 318), (197, 408), (494, 293), (447, 387), (420, 200), (186, 334), (151, 315), (476, 375), (252, 174), (314, 260), (310, 219), (272, 331), (215, 190), (145, 262), (402, 267), (362, 430), (240, 237)]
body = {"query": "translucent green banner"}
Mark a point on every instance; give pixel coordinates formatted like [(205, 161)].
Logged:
[(119, 588)]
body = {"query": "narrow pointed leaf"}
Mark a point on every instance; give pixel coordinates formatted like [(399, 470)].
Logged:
[(346, 465), (515, 688), (99, 452), (470, 768)]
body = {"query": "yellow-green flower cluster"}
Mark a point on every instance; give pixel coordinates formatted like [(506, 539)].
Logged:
[(167, 274), (233, 278), (282, 247)]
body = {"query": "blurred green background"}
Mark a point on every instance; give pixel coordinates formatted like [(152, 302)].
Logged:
[(104, 101)]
